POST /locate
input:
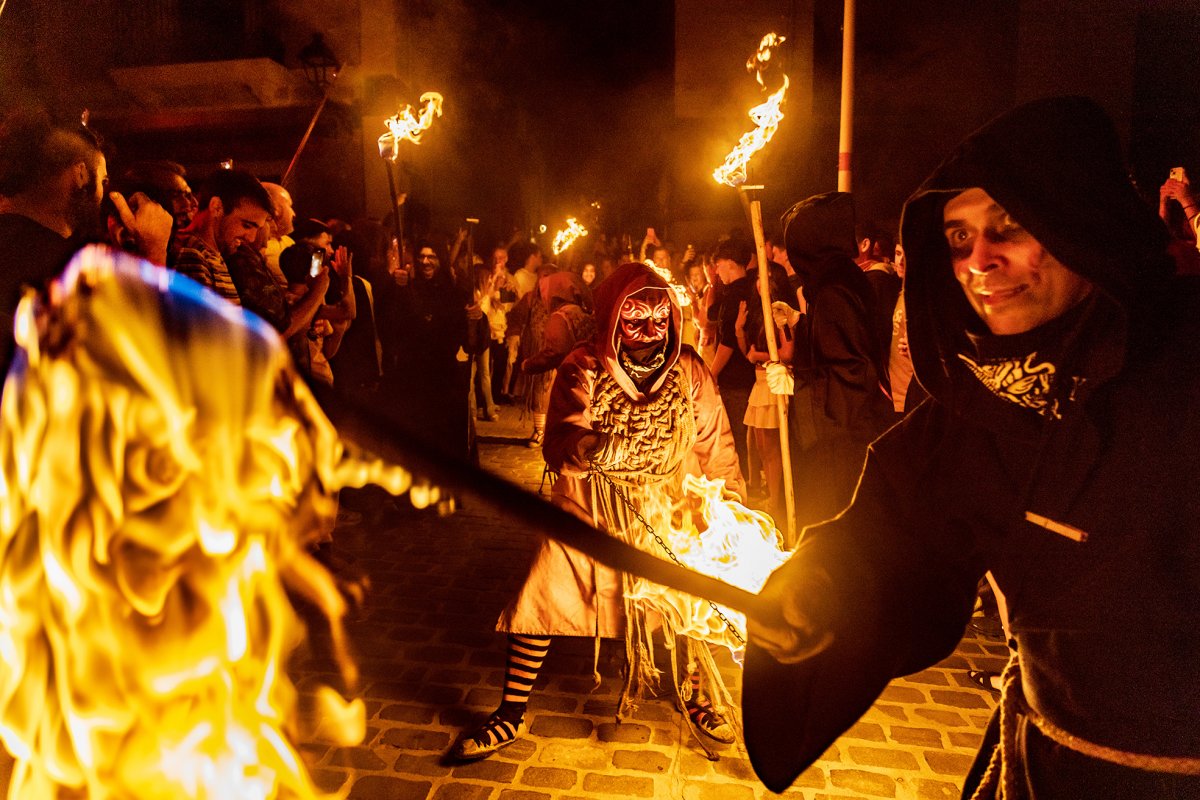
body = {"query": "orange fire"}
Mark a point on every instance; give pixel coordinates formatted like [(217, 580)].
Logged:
[(151, 521), (681, 293), (761, 60), (407, 125), (765, 116), (718, 536), (567, 236)]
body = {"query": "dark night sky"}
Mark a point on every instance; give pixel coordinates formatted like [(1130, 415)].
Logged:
[(573, 96), (553, 104)]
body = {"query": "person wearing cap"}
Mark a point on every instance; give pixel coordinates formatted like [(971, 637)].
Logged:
[(1057, 450)]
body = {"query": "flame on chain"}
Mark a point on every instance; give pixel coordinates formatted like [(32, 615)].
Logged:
[(408, 125), (151, 521), (719, 537), (567, 236), (765, 116)]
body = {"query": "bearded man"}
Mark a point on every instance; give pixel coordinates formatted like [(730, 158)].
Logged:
[(641, 407), (51, 183), (52, 180), (234, 210)]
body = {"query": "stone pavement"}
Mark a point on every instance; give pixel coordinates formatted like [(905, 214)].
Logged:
[(432, 664)]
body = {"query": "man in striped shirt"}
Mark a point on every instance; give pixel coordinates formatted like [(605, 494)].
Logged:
[(234, 209)]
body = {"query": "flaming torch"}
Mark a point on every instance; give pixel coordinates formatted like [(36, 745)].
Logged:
[(407, 125), (567, 236), (766, 118), (682, 296)]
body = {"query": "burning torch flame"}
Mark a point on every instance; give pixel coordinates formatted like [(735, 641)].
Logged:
[(567, 236), (409, 126), (682, 296), (761, 60), (766, 118), (725, 540), (151, 522)]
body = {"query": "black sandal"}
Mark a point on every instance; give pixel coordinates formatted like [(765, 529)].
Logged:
[(710, 722), (497, 732), (983, 680)]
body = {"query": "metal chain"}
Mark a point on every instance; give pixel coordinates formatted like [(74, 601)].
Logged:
[(595, 469)]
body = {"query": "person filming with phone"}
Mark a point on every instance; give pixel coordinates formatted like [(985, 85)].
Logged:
[(321, 307), (1179, 208)]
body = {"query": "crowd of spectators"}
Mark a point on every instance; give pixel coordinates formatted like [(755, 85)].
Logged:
[(439, 334)]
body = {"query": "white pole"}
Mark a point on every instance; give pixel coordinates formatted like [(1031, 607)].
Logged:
[(846, 135)]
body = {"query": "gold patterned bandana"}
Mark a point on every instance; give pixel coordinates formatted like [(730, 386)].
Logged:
[(640, 373), (1024, 382)]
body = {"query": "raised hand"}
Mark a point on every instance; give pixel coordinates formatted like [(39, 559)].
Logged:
[(146, 223)]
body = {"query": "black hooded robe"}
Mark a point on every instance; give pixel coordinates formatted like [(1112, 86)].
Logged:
[(1105, 627)]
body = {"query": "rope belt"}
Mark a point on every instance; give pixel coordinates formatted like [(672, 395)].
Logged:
[(1007, 762), (1174, 765)]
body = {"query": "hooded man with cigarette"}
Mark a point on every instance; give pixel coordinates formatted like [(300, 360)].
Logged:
[(1057, 450)]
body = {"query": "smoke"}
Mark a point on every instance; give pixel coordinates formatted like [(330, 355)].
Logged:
[(547, 107)]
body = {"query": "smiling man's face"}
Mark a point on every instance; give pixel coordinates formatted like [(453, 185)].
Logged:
[(1011, 281)]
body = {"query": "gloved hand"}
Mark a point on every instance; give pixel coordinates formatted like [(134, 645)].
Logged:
[(784, 315), (795, 630), (587, 447), (779, 378)]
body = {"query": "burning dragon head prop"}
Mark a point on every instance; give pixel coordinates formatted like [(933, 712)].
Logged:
[(164, 470)]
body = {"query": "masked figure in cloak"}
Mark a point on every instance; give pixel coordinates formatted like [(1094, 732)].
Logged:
[(638, 405), (1057, 449)]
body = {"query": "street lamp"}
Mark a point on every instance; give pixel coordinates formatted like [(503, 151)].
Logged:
[(320, 69), (321, 66)]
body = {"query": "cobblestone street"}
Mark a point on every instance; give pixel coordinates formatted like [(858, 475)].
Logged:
[(432, 663)]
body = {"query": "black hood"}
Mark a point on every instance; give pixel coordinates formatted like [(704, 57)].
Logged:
[(818, 235), (1055, 166)]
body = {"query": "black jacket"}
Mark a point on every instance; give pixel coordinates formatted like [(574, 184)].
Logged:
[(1106, 627)]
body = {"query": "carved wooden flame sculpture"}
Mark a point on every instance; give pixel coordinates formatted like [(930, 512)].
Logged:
[(766, 118), (162, 470), (719, 537), (408, 125)]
